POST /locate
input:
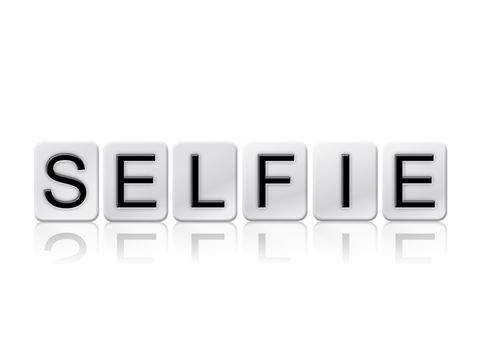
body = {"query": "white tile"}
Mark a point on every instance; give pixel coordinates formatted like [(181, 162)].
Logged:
[(66, 181), (125, 199), (267, 162), (205, 181), (345, 181), (416, 162)]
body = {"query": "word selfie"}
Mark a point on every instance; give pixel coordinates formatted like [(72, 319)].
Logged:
[(274, 181)]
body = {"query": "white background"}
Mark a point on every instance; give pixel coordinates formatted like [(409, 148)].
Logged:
[(239, 71)]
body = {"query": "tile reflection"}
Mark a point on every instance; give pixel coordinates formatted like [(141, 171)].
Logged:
[(415, 242), (275, 242), (263, 242), (135, 242), (66, 242), (204, 241), (344, 241)]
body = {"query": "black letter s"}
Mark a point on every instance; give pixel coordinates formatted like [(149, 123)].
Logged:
[(65, 180)]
